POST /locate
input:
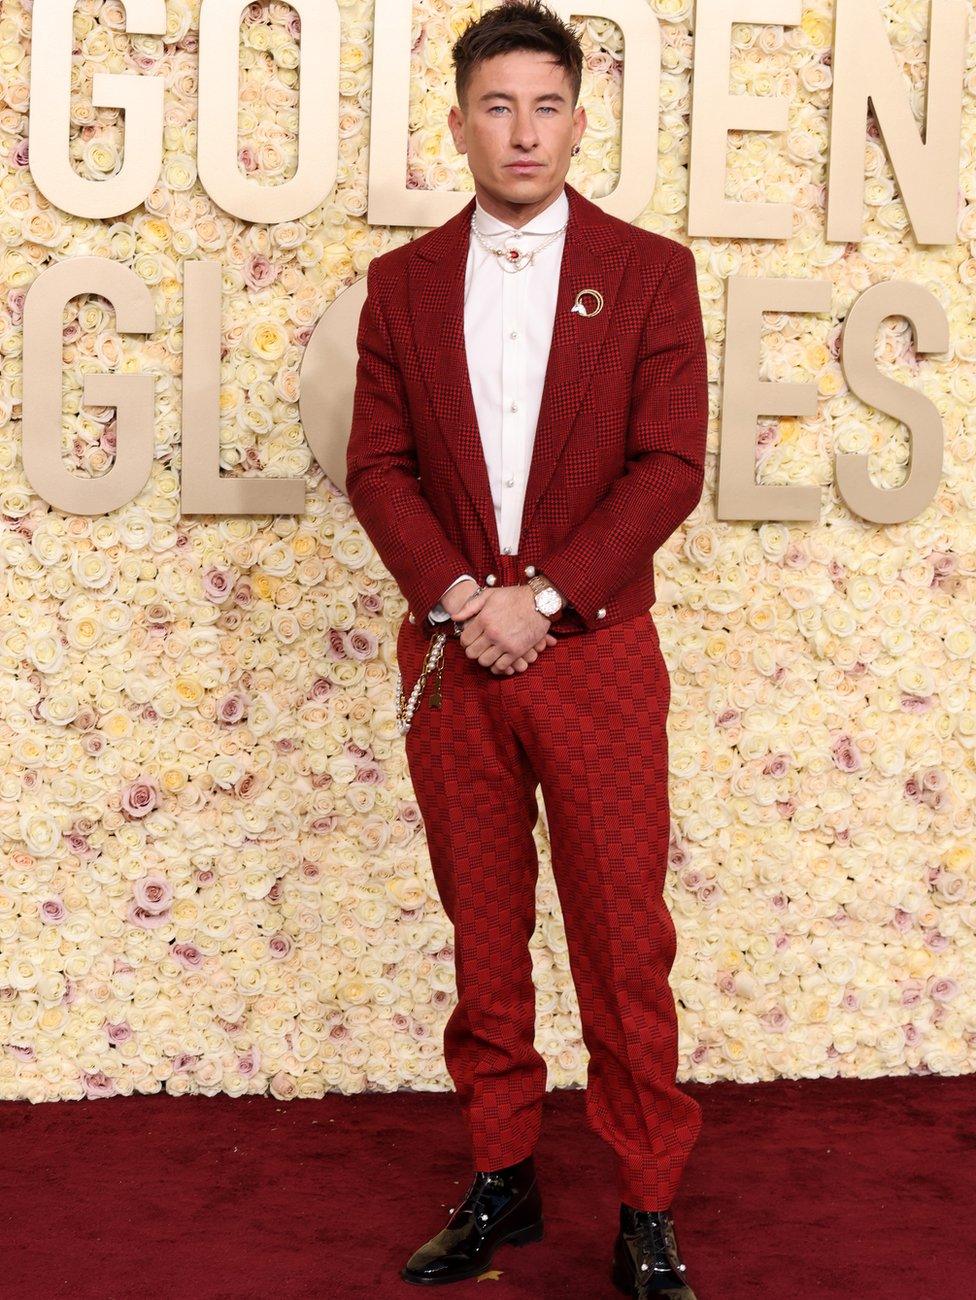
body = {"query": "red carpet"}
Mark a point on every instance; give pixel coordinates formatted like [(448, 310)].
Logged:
[(796, 1189)]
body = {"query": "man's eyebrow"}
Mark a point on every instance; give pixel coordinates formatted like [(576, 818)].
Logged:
[(503, 94)]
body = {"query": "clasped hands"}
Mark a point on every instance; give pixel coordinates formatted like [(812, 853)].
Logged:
[(503, 630)]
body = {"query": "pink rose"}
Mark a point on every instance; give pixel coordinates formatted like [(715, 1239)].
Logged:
[(259, 273), (943, 989), (15, 305), (846, 755), (775, 1019), (280, 945), (916, 703), (233, 708), (188, 955), (249, 1064), (370, 774), (911, 993), (360, 644), (283, 1086), (933, 778), (248, 787), (217, 584), (153, 893), (145, 919), (139, 798), (52, 911), (97, 1084)]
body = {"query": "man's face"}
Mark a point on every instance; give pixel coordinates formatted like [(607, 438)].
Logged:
[(519, 110)]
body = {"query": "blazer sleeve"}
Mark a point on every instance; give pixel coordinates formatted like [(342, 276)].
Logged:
[(665, 467), (382, 480)]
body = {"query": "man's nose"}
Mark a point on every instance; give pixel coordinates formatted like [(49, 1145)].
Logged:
[(524, 132)]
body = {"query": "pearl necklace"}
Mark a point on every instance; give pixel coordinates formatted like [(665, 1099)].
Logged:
[(508, 257)]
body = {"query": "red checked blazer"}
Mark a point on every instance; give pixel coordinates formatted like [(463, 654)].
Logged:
[(618, 457)]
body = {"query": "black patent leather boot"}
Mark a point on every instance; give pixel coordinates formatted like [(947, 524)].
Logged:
[(503, 1205), (646, 1263)]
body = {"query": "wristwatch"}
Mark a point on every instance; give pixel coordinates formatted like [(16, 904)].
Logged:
[(547, 599)]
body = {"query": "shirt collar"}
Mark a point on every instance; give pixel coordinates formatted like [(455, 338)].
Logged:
[(546, 222)]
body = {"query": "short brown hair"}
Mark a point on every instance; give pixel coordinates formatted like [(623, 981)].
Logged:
[(517, 25)]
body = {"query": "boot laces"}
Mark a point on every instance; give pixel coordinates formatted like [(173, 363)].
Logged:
[(474, 1199), (656, 1233)]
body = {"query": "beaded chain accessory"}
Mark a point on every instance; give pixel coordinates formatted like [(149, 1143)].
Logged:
[(509, 257), (434, 658)]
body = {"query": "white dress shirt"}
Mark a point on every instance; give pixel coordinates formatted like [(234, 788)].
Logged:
[(508, 320)]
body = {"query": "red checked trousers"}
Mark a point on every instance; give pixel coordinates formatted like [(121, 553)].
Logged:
[(587, 722)]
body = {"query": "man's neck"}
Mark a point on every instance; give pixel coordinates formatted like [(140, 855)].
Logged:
[(515, 214)]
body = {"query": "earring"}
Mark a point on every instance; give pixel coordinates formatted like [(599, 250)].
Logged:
[(576, 148)]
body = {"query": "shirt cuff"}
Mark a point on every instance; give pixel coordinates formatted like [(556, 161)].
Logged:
[(439, 614)]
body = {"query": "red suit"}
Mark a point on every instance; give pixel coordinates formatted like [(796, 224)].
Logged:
[(617, 465)]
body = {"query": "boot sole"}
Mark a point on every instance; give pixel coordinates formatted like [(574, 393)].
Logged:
[(521, 1237)]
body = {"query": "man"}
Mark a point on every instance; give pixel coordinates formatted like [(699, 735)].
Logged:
[(529, 427)]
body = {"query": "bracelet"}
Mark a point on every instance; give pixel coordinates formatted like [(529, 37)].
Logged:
[(458, 626)]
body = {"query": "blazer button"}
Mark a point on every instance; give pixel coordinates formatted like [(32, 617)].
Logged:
[(490, 579), (530, 570), (601, 613), (412, 619)]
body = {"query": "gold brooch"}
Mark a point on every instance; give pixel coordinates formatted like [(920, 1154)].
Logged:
[(588, 293)]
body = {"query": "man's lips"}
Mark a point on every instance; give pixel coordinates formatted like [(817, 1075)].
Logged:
[(525, 166)]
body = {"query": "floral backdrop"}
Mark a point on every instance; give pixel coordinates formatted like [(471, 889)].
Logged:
[(213, 874)]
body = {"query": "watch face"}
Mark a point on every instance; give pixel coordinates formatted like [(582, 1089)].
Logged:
[(547, 602)]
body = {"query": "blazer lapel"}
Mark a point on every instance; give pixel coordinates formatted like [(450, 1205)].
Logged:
[(594, 256)]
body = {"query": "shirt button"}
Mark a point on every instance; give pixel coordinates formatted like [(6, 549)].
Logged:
[(514, 334), (514, 406)]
